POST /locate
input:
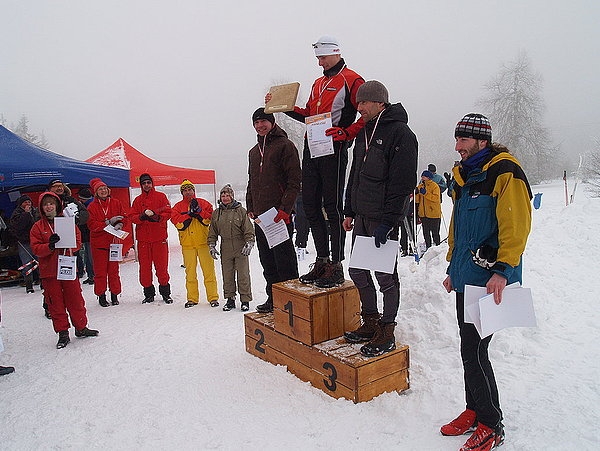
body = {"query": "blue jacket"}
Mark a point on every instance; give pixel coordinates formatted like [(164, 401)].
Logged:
[(492, 207)]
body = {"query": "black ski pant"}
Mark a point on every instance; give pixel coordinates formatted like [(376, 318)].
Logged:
[(389, 284), (301, 223), (480, 384), (323, 181), (279, 263), (431, 230)]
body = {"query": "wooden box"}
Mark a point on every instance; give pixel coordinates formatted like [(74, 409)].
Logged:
[(334, 366), (313, 315)]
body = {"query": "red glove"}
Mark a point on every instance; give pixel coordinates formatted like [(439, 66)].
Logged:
[(282, 215), (337, 133)]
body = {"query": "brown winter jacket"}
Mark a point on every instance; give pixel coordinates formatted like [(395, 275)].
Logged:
[(273, 177)]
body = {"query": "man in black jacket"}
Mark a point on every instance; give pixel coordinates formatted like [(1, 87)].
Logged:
[(382, 178)]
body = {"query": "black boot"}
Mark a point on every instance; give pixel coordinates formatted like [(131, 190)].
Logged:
[(165, 292), (63, 339), (102, 300), (149, 293), (383, 341), (114, 299), (267, 307), (229, 305), (332, 276), (85, 332), (29, 284)]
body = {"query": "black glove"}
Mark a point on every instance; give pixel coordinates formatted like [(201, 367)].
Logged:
[(54, 238), (381, 233), (448, 178), (144, 217), (194, 207)]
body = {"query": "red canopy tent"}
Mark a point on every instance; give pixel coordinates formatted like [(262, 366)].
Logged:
[(122, 155)]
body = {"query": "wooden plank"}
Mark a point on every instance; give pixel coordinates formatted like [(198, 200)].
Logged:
[(397, 382)]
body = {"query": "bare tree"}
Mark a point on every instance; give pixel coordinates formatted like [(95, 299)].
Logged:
[(515, 105), (592, 170)]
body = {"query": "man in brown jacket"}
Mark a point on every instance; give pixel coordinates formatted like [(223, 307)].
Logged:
[(274, 176)]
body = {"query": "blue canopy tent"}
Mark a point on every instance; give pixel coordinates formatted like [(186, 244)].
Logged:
[(26, 167)]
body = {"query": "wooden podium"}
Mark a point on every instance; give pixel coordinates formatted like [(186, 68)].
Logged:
[(304, 333)]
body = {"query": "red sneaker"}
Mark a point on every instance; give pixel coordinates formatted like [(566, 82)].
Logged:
[(484, 439), (464, 424)]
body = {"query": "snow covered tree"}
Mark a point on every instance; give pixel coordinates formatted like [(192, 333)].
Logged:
[(22, 130), (592, 170), (515, 106)]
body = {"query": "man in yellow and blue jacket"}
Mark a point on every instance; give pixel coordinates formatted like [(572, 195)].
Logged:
[(488, 232)]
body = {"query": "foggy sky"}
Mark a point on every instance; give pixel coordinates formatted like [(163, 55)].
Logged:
[(179, 80)]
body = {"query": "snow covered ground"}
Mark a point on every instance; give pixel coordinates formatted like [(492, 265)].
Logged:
[(165, 377)]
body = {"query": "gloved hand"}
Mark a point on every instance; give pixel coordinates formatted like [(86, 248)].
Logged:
[(247, 248), (144, 217), (194, 207), (54, 238), (337, 133), (214, 253), (448, 178), (115, 219), (71, 210), (422, 190), (118, 226), (381, 233), (282, 215)]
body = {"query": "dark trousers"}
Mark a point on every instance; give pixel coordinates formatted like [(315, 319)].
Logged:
[(323, 181), (84, 261), (389, 284), (404, 235), (431, 230), (279, 263), (301, 223), (480, 384)]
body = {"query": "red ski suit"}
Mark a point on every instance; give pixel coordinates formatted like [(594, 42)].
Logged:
[(62, 295), (151, 235), (100, 211)]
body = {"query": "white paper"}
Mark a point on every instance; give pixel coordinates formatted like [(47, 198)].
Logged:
[(319, 143), (67, 268), (515, 310), (118, 233), (365, 255), (275, 232), (115, 252), (64, 226)]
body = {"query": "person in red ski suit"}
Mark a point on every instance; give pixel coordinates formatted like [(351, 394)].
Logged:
[(150, 212), (64, 296), (105, 210)]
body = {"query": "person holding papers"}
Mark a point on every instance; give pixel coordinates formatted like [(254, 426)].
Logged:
[(63, 295), (105, 212), (491, 220), (274, 176), (323, 177), (382, 179)]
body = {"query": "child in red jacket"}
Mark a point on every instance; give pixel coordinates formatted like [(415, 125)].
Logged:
[(63, 295)]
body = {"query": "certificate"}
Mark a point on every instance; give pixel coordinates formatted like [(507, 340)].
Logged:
[(283, 98), (64, 227), (118, 233), (275, 232), (365, 255), (319, 143)]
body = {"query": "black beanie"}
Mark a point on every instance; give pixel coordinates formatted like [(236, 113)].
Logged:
[(260, 114), (431, 167)]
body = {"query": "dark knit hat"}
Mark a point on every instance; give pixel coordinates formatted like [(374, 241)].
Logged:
[(474, 125), (22, 199), (372, 91), (145, 177), (431, 167), (54, 182), (427, 174), (227, 189), (85, 194), (260, 114)]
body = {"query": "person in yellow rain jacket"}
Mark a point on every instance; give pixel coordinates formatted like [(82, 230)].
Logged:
[(430, 208), (191, 217)]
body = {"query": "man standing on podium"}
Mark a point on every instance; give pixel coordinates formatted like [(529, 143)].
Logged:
[(382, 178)]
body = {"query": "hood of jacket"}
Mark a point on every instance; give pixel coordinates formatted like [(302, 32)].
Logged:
[(59, 209)]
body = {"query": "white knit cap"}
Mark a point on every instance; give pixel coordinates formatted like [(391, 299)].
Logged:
[(327, 45)]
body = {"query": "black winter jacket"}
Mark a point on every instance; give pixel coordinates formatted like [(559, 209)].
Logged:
[(384, 168)]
